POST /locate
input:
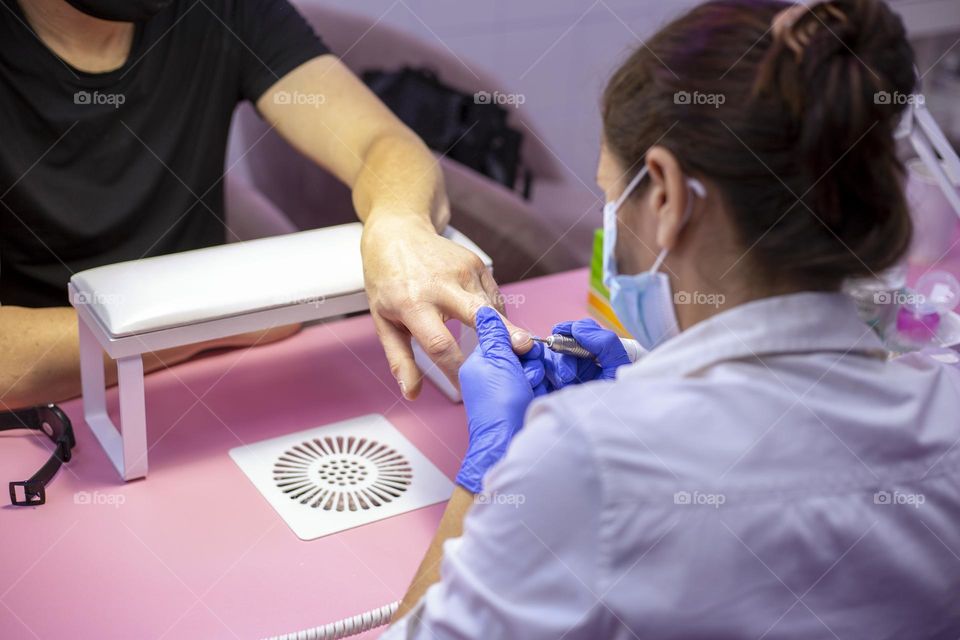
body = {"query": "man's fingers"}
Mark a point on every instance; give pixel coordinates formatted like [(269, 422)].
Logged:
[(492, 291), (463, 304), (396, 346), (520, 338), (425, 324)]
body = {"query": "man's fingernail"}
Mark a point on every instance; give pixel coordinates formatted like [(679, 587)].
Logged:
[(520, 337), (403, 388)]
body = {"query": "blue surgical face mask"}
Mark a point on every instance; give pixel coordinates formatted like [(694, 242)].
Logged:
[(643, 302)]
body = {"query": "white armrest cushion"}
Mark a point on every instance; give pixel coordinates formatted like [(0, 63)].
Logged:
[(227, 280)]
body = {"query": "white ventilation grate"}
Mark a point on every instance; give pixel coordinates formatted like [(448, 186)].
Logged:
[(341, 475)]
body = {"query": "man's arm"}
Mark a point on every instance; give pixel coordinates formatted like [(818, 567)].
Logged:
[(415, 278), (40, 355)]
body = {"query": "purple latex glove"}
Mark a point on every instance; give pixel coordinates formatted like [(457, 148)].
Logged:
[(562, 370), (497, 386)]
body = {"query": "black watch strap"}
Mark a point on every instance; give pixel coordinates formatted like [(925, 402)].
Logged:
[(41, 418), (20, 419)]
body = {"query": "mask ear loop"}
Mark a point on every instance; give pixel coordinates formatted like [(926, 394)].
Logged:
[(610, 214), (701, 192), (629, 189)]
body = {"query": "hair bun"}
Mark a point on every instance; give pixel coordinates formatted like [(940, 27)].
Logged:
[(802, 145), (844, 69), (860, 42)]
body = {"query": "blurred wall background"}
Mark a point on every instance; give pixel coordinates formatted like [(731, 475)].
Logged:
[(558, 54)]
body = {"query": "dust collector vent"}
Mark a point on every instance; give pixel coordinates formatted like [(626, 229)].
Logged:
[(342, 473)]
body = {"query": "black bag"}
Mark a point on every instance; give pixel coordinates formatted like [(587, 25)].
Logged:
[(468, 128)]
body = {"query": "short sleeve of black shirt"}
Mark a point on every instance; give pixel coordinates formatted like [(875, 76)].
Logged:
[(276, 40), (99, 168)]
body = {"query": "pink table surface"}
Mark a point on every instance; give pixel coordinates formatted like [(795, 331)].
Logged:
[(194, 551)]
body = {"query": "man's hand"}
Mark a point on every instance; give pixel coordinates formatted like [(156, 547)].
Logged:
[(416, 280)]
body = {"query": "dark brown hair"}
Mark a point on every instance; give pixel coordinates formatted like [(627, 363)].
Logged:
[(802, 146)]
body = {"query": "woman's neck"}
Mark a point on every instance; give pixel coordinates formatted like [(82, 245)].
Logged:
[(700, 292), (82, 41)]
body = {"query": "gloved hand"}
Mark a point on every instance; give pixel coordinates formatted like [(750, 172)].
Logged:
[(497, 386), (562, 369)]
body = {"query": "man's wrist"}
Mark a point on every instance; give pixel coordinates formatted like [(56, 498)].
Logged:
[(394, 220)]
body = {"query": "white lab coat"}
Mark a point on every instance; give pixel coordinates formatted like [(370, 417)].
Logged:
[(766, 474)]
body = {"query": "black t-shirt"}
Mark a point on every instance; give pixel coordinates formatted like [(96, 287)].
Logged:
[(102, 168)]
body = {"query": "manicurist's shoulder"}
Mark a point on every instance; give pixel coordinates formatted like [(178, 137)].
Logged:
[(618, 417), (648, 433)]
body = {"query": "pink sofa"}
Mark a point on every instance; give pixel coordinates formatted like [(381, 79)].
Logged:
[(272, 189)]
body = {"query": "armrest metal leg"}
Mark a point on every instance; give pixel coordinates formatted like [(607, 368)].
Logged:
[(91, 374), (127, 450), (133, 416)]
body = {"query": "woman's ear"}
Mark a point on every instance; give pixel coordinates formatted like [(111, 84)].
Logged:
[(668, 195)]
